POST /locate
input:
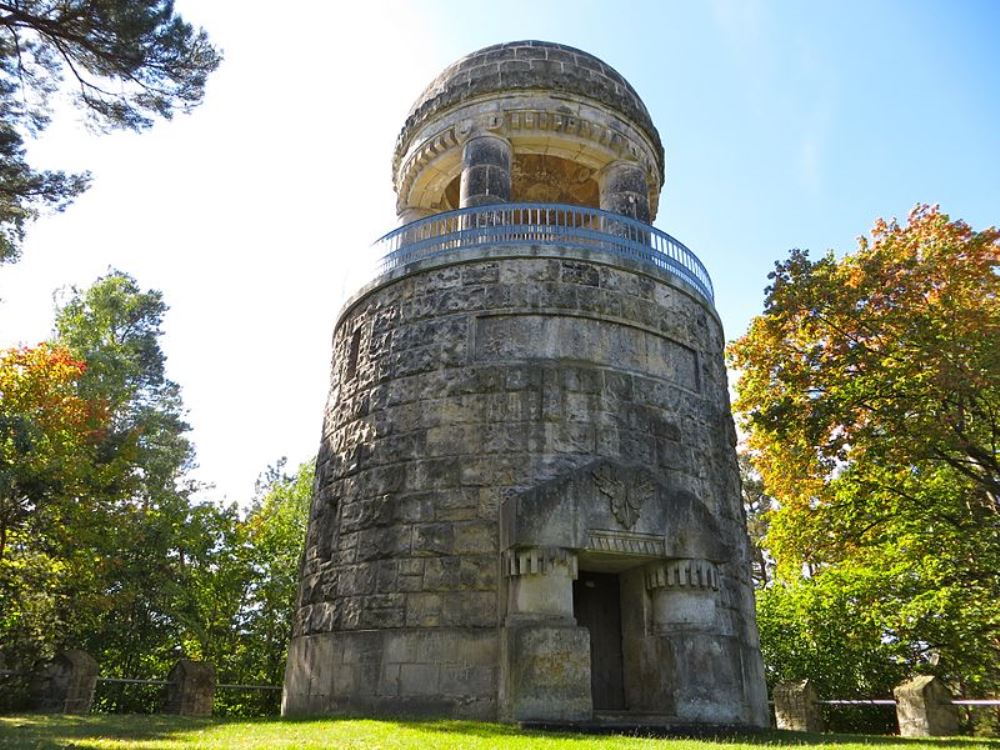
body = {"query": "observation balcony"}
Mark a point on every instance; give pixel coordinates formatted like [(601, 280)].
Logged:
[(540, 224)]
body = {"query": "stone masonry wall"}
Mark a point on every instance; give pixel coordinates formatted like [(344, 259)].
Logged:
[(453, 388)]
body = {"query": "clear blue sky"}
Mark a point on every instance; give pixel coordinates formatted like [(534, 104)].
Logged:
[(786, 124)]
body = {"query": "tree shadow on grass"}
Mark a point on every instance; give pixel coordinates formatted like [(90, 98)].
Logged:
[(51, 731)]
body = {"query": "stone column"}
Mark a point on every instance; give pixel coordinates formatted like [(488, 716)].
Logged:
[(924, 708), (190, 688), (66, 685), (545, 656), (485, 177), (684, 594), (541, 584), (623, 190), (796, 707)]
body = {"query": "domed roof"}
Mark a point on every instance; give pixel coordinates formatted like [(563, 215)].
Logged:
[(528, 65)]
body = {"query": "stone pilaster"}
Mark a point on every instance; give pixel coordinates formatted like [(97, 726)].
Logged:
[(546, 656), (66, 684), (684, 594), (796, 707), (924, 708), (486, 163), (190, 688), (624, 190)]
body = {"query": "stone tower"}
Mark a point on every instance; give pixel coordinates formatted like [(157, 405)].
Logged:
[(527, 502)]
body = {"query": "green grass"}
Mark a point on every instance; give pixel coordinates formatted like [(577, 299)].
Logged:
[(171, 733)]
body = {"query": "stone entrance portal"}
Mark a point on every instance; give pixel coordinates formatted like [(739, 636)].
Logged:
[(597, 607), (611, 556)]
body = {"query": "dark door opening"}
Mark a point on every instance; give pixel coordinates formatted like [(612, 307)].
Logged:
[(597, 607)]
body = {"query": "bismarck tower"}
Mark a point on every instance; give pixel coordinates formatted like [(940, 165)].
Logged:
[(527, 502)]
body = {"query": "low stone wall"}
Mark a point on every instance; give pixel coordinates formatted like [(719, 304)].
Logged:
[(66, 685), (924, 707)]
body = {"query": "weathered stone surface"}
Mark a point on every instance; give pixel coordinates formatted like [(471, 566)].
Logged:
[(502, 418), (623, 190), (924, 708), (547, 671), (436, 671), (66, 684), (796, 707), (526, 65), (190, 688)]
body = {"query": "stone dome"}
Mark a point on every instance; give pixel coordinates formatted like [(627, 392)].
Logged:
[(526, 66)]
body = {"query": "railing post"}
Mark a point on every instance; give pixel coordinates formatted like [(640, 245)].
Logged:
[(796, 707), (190, 688), (66, 684), (924, 708)]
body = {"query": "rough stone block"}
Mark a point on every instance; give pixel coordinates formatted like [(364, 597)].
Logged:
[(548, 673), (796, 707), (190, 688), (66, 684), (924, 708)]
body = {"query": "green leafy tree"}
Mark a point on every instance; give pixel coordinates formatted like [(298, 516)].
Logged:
[(48, 438), (870, 390), (273, 538), (126, 61), (104, 566), (140, 520)]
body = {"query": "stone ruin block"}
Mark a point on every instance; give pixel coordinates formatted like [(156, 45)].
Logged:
[(66, 684), (190, 688), (924, 708), (797, 708)]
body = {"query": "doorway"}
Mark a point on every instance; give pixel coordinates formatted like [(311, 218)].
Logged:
[(597, 607)]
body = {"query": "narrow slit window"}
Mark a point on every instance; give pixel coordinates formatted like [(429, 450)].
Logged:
[(352, 355)]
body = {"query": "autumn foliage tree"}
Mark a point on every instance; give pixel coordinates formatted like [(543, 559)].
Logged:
[(48, 432), (106, 543), (870, 391)]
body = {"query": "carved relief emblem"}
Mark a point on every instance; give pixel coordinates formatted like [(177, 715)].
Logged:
[(626, 493)]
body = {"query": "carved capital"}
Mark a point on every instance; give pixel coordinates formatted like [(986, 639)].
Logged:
[(683, 575), (540, 561)]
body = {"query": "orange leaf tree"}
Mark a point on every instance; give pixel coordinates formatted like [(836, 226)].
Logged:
[(870, 392), (47, 434)]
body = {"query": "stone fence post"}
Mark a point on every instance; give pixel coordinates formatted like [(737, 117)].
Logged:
[(796, 707), (190, 688), (924, 708), (66, 684)]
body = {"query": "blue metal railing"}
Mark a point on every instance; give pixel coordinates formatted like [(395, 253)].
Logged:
[(541, 224)]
